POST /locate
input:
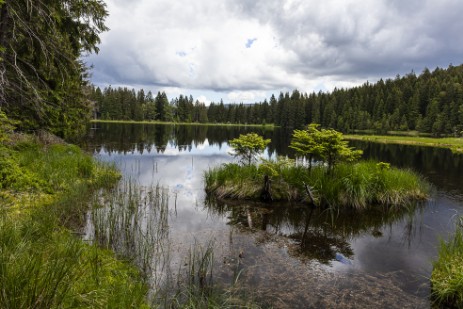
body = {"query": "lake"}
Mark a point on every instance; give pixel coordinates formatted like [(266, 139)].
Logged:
[(288, 257)]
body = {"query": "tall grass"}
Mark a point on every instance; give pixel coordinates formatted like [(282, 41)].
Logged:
[(133, 222), (196, 287), (43, 265), (360, 185), (42, 262), (447, 274)]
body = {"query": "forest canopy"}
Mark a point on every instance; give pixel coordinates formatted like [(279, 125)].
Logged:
[(431, 102)]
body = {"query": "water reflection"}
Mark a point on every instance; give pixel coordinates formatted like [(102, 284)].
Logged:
[(141, 138), (327, 255), (317, 234)]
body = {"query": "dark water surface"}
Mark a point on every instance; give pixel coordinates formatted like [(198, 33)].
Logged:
[(292, 257)]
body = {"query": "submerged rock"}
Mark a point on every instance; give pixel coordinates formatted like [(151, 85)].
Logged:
[(341, 258)]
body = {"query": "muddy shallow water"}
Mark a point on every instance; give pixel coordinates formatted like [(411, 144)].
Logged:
[(290, 257)]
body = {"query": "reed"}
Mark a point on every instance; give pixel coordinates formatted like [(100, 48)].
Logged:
[(133, 222), (447, 274), (43, 265), (195, 287)]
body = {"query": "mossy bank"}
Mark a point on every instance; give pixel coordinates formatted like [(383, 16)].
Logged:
[(43, 188)]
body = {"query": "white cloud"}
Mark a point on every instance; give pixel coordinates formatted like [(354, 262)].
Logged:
[(242, 50), (246, 96), (204, 100)]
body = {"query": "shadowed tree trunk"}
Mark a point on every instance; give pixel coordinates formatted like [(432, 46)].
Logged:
[(266, 195)]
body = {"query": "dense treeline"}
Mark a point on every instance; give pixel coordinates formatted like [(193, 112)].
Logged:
[(42, 75), (430, 103), (126, 104)]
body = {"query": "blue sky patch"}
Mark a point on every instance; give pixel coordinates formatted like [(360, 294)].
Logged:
[(181, 54), (250, 42)]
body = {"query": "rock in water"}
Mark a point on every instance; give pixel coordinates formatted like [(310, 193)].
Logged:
[(341, 258)]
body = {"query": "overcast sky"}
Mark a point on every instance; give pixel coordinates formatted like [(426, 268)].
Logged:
[(245, 50)]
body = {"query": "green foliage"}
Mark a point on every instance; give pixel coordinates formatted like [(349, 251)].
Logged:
[(274, 168), (430, 103), (447, 274), (333, 149), (28, 168), (6, 127), (43, 266), (248, 146), (13, 177), (305, 142), (43, 76), (326, 145)]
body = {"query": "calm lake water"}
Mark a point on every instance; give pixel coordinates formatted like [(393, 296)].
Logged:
[(291, 257)]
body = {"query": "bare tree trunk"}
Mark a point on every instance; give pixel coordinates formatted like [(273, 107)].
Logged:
[(309, 192)]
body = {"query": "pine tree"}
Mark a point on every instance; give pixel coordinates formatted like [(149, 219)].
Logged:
[(42, 77)]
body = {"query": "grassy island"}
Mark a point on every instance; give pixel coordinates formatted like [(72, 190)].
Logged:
[(336, 180), (359, 185)]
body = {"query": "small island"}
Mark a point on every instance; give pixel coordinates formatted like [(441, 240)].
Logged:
[(328, 173)]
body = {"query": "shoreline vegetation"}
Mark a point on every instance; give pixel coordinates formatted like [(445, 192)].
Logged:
[(45, 187), (334, 180), (455, 144), (447, 273), (154, 122), (48, 190)]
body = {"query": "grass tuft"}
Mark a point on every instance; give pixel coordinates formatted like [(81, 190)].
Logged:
[(447, 274)]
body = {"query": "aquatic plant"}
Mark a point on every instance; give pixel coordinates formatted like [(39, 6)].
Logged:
[(447, 274), (132, 221)]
